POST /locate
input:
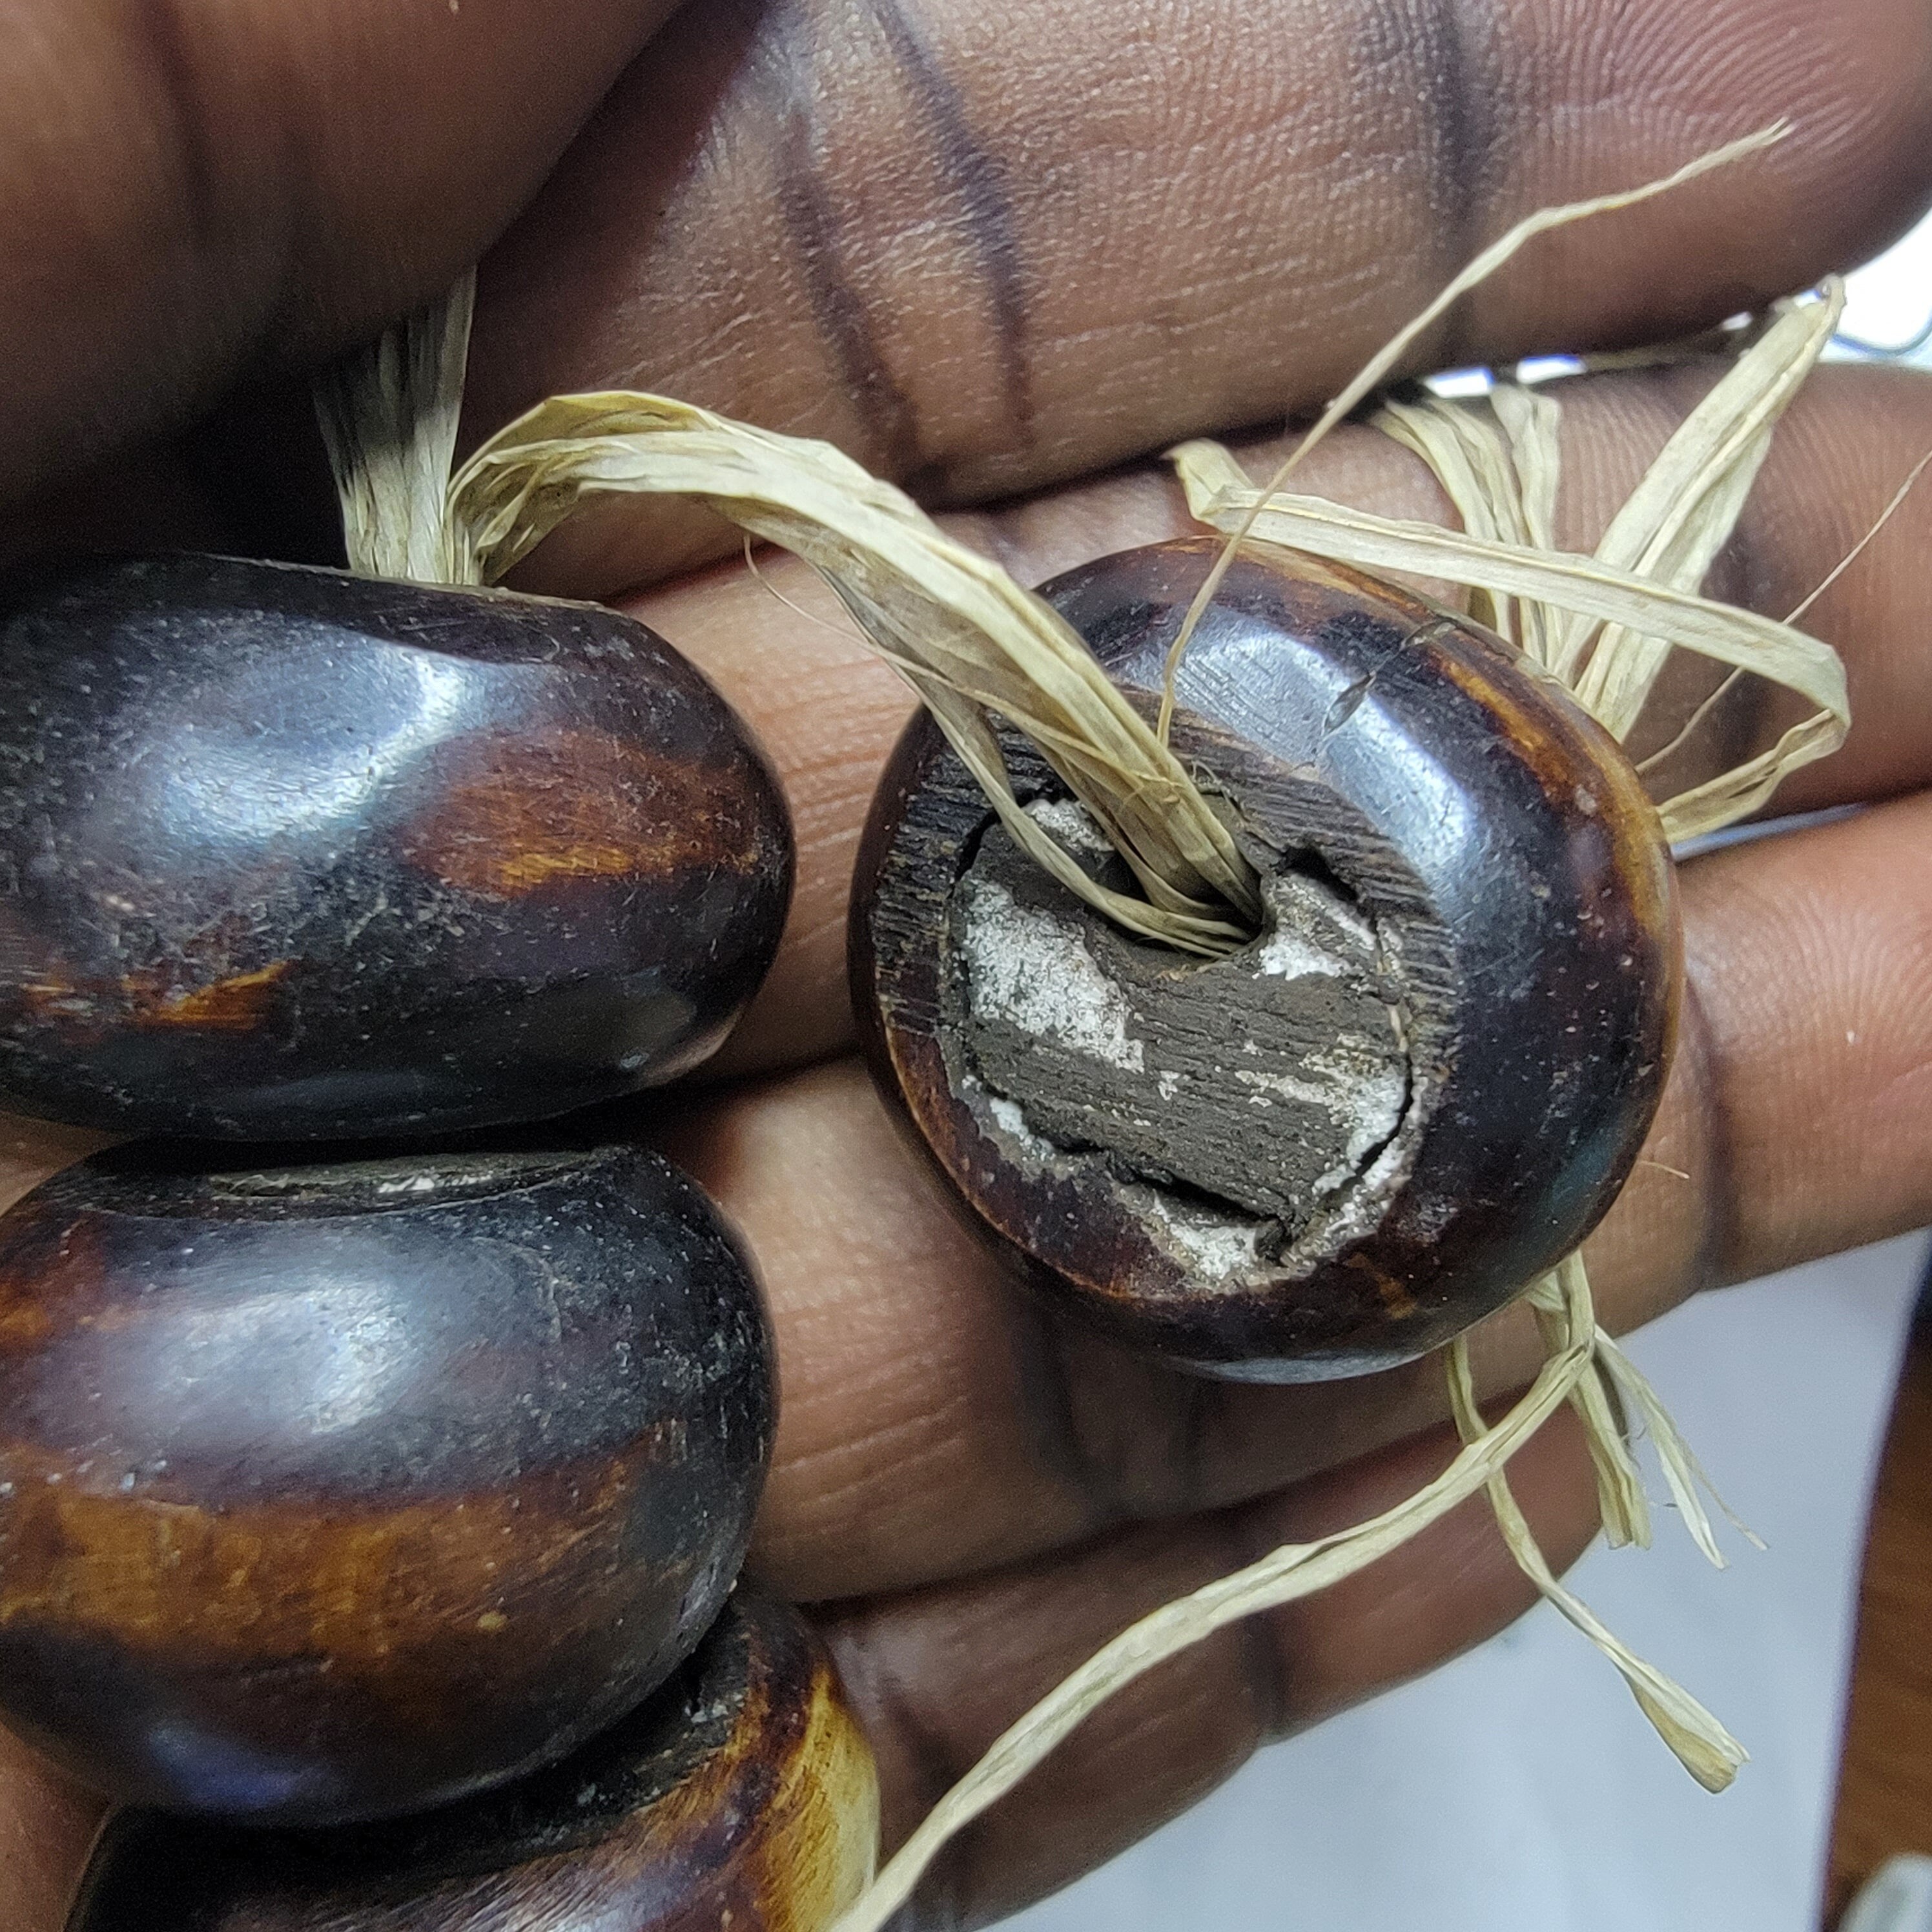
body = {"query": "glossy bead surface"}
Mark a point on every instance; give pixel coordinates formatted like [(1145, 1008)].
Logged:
[(1422, 1083), (742, 1795), (330, 1493), (286, 854)]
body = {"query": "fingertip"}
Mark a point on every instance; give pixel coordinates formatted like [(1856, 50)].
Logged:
[(197, 190), (46, 1825)]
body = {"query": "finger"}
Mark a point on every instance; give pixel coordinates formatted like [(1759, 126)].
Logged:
[(45, 1826), (830, 713), (191, 189), (937, 1676), (934, 1421), (1798, 1104), (983, 250)]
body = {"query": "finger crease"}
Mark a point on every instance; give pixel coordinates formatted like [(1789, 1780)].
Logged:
[(1051, 1413), (978, 180), (843, 323), (1701, 1062)]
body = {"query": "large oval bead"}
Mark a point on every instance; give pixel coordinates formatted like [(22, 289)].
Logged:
[(329, 1493), (1423, 1083), (286, 854)]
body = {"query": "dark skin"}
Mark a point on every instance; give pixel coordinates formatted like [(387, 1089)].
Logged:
[(996, 250)]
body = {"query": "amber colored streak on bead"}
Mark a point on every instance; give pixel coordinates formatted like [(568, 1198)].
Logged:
[(822, 1827), (362, 1586), (527, 869), (583, 805), (776, 1830), (1394, 1297), (231, 1005), (798, 1764)]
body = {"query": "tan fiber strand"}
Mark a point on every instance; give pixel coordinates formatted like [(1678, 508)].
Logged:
[(1498, 253), (1702, 1745), (1678, 518), (1379, 365), (1691, 725), (1219, 494), (1858, 550), (1498, 461), (974, 644), (388, 415), (1737, 793), (1681, 1469), (1468, 453)]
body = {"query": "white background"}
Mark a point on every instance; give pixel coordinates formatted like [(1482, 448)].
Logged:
[(1519, 1790)]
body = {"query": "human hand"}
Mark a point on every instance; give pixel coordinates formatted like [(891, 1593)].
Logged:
[(992, 252)]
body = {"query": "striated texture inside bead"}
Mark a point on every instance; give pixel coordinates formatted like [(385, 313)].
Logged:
[(742, 1795), (285, 853), (1422, 1083), (329, 1493)]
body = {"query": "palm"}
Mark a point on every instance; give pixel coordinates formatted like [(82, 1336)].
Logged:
[(994, 254)]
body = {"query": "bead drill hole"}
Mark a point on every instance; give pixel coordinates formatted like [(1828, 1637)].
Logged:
[(1253, 1097)]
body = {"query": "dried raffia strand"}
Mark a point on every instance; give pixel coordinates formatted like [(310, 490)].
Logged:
[(1621, 1505), (1682, 1470), (1680, 515), (388, 415), (1479, 270), (975, 646), (1498, 462), (1668, 532), (1691, 725), (1707, 1750), (970, 640), (1219, 494), (1858, 550)]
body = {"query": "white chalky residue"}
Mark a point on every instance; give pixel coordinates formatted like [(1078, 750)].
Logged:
[(1308, 904), (1379, 1099), (1379, 1174), (1011, 1119), (1070, 821), (1169, 1084), (414, 1184), (1359, 1210), (1216, 1245), (1309, 924), (1310, 1093), (1286, 954), (1033, 970)]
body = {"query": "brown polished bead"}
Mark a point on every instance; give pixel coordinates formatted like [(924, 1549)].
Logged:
[(1422, 1083), (742, 1795), (331, 1492), (286, 854)]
